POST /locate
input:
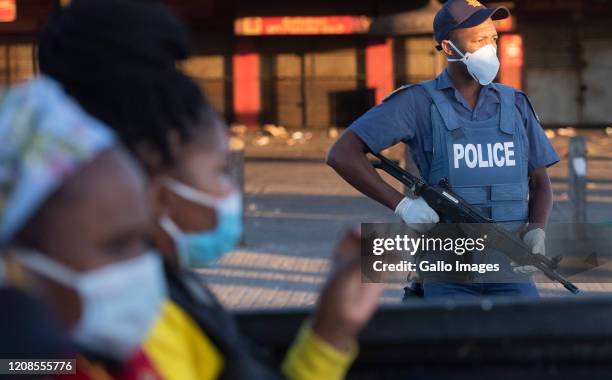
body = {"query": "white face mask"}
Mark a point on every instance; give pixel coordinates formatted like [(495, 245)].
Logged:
[(118, 302), (482, 64)]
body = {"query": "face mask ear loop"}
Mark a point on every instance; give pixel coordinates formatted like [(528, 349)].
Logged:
[(48, 268), (190, 194), (169, 226), (198, 197), (174, 232), (463, 57)]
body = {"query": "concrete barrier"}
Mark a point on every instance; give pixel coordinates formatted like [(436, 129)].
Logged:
[(548, 338)]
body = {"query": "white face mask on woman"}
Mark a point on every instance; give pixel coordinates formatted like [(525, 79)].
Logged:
[(482, 64), (119, 302)]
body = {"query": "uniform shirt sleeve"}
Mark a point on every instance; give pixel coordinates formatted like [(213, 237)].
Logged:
[(541, 152), (389, 122)]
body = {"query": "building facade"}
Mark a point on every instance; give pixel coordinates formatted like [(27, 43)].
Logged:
[(323, 63)]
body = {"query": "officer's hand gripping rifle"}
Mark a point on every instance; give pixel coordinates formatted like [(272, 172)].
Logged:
[(453, 208)]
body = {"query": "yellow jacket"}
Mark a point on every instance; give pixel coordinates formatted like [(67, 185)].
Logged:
[(180, 349)]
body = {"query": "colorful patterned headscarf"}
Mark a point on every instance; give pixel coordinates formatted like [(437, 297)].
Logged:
[(44, 138)]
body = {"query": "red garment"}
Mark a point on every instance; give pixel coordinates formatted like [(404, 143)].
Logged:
[(138, 368)]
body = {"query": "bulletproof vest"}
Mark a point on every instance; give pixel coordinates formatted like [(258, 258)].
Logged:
[(485, 162)]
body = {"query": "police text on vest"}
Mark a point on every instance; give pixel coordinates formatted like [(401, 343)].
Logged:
[(484, 156)]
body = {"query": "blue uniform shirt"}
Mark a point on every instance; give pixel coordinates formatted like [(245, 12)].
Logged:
[(406, 116)]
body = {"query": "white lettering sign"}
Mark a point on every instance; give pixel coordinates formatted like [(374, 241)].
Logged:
[(484, 156)]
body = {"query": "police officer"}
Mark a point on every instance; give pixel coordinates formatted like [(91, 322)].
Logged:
[(484, 137)]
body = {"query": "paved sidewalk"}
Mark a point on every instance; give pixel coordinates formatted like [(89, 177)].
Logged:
[(297, 207)]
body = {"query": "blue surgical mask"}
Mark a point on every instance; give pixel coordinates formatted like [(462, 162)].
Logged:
[(119, 302), (201, 249)]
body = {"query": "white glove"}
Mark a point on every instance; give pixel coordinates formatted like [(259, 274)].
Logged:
[(417, 214), (535, 239)]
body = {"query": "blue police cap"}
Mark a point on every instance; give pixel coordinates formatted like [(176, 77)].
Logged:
[(457, 14)]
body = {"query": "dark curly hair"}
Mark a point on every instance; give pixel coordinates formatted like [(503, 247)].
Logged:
[(118, 58)]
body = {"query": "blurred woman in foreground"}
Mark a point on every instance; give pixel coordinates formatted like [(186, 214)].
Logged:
[(132, 84), (73, 228)]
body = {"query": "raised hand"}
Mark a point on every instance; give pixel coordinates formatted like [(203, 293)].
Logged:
[(345, 304)]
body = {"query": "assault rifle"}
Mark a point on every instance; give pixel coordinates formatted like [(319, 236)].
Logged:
[(453, 208)]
